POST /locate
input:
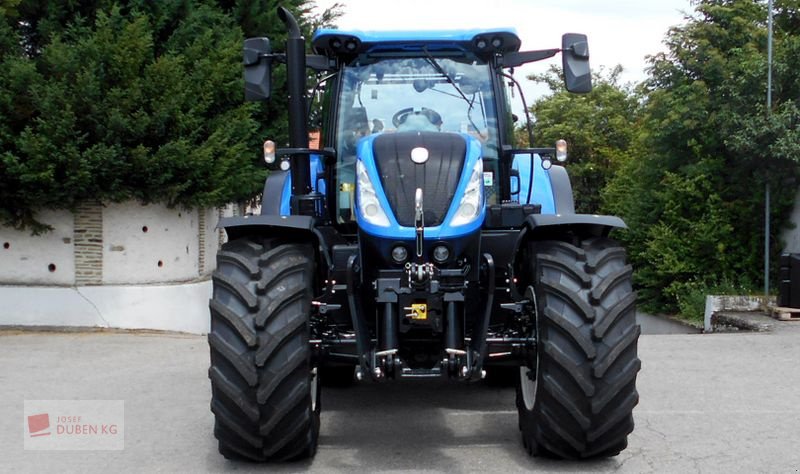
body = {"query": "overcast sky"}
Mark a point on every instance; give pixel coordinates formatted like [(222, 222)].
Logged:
[(619, 31)]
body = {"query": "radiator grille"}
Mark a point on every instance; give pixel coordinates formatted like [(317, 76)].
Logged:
[(438, 176)]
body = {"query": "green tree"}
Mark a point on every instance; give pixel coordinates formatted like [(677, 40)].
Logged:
[(599, 127), (134, 99), (694, 198)]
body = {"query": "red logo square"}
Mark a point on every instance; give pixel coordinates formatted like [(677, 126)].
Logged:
[(37, 424)]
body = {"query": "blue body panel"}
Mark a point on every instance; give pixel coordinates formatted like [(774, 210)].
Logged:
[(317, 169), (542, 192), (412, 36), (395, 230), (286, 196), (414, 41)]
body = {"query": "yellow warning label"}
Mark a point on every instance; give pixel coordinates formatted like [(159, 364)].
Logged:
[(419, 311)]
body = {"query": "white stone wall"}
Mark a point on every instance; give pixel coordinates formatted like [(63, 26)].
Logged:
[(112, 265), (181, 308), (46, 259), (112, 244), (149, 244)]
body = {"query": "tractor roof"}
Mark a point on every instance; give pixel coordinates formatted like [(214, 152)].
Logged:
[(348, 42)]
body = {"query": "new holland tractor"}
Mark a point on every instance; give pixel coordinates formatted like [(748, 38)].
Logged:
[(418, 241)]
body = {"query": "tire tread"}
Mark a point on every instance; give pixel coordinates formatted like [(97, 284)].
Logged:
[(588, 360), (260, 357)]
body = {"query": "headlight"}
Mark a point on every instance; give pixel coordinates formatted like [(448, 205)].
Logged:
[(368, 203), (441, 253), (470, 206), (399, 254)]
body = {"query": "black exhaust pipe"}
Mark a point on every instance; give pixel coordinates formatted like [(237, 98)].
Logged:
[(298, 122)]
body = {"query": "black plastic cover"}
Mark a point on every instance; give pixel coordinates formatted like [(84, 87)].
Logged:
[(273, 188), (586, 223), (509, 215), (257, 68), (438, 176), (789, 284)]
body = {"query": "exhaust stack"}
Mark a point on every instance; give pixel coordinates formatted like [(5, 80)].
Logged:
[(298, 122)]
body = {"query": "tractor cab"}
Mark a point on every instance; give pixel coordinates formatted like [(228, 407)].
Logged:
[(413, 81), (413, 87)]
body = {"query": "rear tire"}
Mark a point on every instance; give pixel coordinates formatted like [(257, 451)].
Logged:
[(264, 390), (576, 400)]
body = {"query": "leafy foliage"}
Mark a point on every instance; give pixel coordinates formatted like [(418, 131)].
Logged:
[(599, 128), (691, 184), (136, 100)]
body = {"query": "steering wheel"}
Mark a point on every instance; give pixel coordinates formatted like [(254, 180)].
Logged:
[(401, 115)]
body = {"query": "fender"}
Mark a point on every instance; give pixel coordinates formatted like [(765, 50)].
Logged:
[(562, 190), (539, 227), (275, 199), (583, 224), (301, 228)]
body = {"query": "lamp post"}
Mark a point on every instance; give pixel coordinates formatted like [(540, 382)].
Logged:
[(769, 111)]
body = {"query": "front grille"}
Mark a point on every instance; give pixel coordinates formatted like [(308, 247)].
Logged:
[(438, 177)]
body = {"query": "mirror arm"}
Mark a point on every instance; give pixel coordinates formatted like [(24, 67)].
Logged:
[(519, 58), (254, 59), (313, 61), (320, 63)]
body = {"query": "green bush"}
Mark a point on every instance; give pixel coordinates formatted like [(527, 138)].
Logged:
[(694, 197), (689, 177), (113, 101), (599, 127), (691, 297)]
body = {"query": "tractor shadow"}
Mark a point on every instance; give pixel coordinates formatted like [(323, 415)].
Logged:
[(418, 425), (431, 425), (413, 424)]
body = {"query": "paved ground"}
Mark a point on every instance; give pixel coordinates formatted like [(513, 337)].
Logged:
[(709, 403)]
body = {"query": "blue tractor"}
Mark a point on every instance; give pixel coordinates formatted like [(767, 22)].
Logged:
[(418, 241)]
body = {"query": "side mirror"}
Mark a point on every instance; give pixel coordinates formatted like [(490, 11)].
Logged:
[(514, 181), (575, 57), (257, 68)]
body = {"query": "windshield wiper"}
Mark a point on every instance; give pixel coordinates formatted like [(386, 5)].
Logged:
[(441, 71)]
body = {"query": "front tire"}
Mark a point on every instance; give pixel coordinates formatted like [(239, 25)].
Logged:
[(264, 390), (575, 400)]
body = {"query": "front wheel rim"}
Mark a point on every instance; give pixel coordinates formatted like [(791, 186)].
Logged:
[(314, 388), (528, 385)]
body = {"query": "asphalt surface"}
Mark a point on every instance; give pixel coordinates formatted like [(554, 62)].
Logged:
[(709, 403)]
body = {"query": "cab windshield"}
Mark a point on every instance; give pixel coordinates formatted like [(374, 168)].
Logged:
[(388, 95)]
